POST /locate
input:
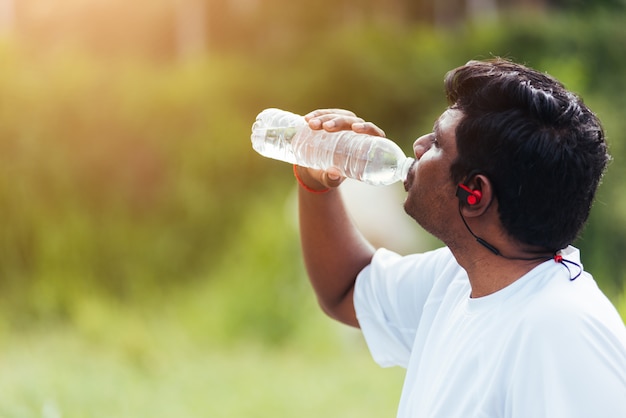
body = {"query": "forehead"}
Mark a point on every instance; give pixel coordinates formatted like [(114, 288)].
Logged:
[(446, 124)]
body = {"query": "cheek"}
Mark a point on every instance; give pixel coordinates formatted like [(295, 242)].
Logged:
[(432, 153), (433, 187), (426, 172)]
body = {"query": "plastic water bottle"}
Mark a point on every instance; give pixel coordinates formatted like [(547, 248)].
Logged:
[(285, 136)]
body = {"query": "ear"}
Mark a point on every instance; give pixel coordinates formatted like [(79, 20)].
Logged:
[(476, 195)]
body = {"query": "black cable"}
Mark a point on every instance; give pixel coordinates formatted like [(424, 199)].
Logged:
[(555, 256)]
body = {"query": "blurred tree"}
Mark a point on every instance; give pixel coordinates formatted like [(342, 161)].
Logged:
[(175, 29), (7, 17), (585, 6), (191, 27), (126, 173)]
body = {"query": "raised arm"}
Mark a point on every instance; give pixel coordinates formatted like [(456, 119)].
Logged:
[(334, 250)]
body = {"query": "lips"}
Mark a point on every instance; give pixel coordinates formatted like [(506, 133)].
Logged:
[(408, 182)]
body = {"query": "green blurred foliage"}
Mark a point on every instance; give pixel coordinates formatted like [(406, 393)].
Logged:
[(148, 251), (132, 179)]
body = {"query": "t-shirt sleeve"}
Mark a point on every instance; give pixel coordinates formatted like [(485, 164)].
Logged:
[(389, 297)]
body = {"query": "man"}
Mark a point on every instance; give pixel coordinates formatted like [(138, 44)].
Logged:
[(503, 321)]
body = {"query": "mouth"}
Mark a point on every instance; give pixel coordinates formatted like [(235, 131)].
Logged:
[(408, 182)]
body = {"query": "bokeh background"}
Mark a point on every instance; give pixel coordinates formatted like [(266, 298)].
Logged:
[(149, 259)]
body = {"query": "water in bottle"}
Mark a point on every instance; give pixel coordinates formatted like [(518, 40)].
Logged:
[(287, 137)]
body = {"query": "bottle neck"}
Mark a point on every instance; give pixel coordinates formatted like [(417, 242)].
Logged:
[(404, 167)]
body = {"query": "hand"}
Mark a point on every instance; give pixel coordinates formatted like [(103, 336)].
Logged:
[(333, 120)]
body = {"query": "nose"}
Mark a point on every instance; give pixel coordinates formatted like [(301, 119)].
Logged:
[(421, 145)]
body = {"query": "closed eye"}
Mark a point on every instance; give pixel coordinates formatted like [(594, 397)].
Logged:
[(435, 134)]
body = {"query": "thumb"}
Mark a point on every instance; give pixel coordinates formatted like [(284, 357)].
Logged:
[(333, 177)]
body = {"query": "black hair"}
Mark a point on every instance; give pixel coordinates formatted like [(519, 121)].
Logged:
[(543, 150)]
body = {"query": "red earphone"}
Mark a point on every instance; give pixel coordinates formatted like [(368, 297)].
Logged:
[(467, 195)]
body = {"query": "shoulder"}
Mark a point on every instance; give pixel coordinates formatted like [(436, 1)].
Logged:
[(566, 320), (391, 263), (567, 340), (401, 285), (389, 299), (389, 270)]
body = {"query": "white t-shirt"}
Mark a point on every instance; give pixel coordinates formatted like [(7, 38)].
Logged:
[(544, 346)]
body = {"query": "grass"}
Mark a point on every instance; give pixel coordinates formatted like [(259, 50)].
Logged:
[(152, 367), (130, 362)]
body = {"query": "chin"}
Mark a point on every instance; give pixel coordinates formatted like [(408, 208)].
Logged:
[(409, 208)]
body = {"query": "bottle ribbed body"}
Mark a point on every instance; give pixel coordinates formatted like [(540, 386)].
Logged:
[(286, 136)]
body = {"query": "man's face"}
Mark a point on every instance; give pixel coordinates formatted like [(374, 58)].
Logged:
[(431, 197)]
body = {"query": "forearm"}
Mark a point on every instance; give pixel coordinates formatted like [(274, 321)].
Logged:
[(334, 251)]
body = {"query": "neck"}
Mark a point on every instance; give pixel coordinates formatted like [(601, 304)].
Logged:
[(526, 254), (493, 265), (489, 273)]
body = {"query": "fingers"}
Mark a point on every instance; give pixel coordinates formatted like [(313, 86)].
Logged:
[(323, 112), (367, 128), (334, 120), (319, 179), (332, 177)]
